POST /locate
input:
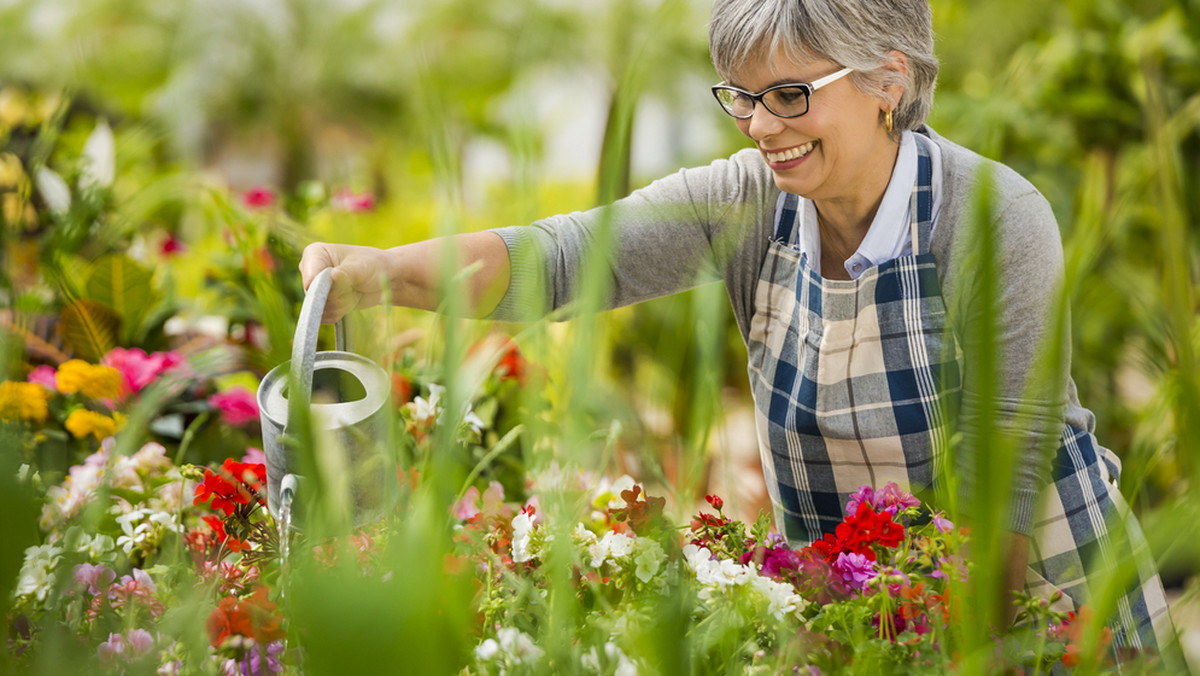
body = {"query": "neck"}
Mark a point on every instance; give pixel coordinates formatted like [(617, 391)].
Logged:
[(847, 218)]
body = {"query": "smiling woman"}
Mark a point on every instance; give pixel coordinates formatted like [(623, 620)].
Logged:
[(847, 246)]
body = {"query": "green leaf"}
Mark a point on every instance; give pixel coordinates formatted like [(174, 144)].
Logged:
[(89, 328), (125, 286)]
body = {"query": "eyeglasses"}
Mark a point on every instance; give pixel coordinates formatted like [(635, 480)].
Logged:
[(784, 100)]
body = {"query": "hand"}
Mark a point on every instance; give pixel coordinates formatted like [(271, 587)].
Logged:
[(358, 279)]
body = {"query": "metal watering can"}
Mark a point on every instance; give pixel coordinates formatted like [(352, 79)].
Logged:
[(351, 395)]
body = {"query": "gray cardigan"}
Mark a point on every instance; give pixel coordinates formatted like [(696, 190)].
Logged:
[(715, 222)]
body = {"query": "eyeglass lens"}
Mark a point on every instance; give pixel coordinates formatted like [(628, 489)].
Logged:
[(784, 102)]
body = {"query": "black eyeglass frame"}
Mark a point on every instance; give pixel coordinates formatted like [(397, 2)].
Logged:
[(807, 87)]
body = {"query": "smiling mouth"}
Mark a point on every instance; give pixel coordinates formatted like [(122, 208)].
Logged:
[(791, 153)]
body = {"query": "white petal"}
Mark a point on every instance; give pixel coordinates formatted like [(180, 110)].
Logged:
[(54, 190), (99, 152)]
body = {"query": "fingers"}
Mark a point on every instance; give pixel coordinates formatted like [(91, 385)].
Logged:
[(315, 258), (342, 300)]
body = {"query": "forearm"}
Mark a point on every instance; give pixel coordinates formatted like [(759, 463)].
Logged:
[(417, 276), (1014, 574)]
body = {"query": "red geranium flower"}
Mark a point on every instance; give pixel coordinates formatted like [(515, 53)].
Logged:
[(860, 533)]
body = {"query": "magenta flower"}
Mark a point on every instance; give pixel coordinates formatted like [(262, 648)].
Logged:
[(893, 500), (856, 569), (171, 247), (346, 200), (258, 197), (776, 561), (863, 494), (44, 376), (96, 578), (237, 406), (139, 369)]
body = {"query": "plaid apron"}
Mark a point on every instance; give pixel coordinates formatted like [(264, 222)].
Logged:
[(848, 378)]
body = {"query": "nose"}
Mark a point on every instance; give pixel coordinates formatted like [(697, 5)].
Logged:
[(761, 124)]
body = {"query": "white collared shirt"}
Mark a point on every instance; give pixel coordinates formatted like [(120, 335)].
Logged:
[(889, 236)]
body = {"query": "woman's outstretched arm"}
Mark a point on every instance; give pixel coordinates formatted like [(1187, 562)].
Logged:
[(408, 275)]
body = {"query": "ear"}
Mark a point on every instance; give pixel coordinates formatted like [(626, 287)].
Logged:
[(897, 67)]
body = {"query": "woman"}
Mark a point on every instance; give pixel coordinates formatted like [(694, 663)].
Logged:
[(842, 239)]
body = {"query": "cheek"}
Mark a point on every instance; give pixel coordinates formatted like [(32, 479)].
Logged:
[(744, 127)]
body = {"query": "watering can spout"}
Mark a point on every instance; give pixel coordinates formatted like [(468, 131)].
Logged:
[(344, 396)]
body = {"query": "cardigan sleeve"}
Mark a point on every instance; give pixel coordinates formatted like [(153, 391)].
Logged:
[(1018, 396), (676, 233)]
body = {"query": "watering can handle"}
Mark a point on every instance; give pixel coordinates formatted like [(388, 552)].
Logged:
[(304, 345)]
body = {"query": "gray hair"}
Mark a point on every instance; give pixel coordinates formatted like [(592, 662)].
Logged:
[(853, 33)]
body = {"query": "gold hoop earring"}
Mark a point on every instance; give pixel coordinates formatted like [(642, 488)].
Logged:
[(887, 120)]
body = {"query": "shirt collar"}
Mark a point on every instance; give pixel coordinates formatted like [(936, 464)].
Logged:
[(889, 231)]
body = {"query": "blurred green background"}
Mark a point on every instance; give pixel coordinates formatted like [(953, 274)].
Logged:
[(462, 115)]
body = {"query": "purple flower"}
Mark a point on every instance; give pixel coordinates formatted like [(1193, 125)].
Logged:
[(253, 660), (95, 577), (952, 568), (856, 569), (111, 650), (942, 524)]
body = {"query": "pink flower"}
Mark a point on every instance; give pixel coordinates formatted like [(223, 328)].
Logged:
[(237, 406), (44, 376), (254, 456), (258, 197), (95, 577), (346, 200), (140, 641), (111, 650), (466, 508), (856, 569), (139, 369)]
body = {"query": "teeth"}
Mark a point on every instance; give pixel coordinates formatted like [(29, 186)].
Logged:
[(791, 153)]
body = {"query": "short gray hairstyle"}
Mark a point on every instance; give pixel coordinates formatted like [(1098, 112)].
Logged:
[(857, 34)]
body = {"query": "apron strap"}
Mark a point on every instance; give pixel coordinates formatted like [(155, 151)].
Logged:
[(785, 217), (921, 204)]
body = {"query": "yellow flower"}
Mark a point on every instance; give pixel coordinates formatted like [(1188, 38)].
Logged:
[(93, 380), (24, 401), (83, 422), (14, 107)]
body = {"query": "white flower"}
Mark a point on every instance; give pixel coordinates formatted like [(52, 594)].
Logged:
[(614, 489), (522, 525), (487, 650), (649, 559), (519, 645), (95, 546), (134, 535), (427, 410), (37, 571), (612, 546), (782, 598), (625, 666)]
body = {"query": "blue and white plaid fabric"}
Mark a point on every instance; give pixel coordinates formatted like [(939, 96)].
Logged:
[(849, 381), (848, 376)]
